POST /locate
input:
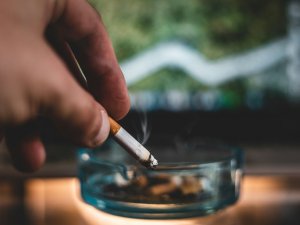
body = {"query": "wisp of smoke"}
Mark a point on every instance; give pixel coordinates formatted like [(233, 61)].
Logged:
[(143, 128)]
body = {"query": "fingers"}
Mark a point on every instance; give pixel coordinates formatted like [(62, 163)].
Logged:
[(52, 89), (73, 110), (82, 28), (26, 148), (41, 84)]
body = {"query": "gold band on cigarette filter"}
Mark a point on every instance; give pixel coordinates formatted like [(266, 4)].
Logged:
[(114, 126)]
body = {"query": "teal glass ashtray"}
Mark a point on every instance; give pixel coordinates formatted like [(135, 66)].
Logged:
[(196, 179)]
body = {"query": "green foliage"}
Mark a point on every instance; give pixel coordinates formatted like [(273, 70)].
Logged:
[(214, 27)]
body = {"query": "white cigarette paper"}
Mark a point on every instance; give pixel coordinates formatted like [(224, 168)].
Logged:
[(132, 146)]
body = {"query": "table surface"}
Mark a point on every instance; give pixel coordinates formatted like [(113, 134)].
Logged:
[(264, 200)]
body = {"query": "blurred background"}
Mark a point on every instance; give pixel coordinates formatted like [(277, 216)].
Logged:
[(206, 55), (216, 70)]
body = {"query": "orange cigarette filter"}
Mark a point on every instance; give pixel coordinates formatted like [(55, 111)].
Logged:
[(114, 126)]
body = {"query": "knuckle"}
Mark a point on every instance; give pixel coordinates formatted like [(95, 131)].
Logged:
[(15, 113)]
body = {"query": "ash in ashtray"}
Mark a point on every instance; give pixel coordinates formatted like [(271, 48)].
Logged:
[(156, 188)]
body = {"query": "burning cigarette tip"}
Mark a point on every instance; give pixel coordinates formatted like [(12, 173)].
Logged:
[(153, 162)]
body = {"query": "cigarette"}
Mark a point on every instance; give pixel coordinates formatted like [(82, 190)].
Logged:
[(169, 185), (131, 145), (161, 189)]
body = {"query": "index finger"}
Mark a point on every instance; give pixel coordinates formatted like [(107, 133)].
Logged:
[(82, 27)]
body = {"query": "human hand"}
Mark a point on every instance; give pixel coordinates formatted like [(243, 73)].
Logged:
[(35, 81)]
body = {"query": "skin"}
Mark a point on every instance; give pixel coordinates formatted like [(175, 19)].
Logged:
[(35, 79)]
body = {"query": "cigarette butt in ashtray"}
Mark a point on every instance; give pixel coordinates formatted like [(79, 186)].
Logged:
[(161, 189), (191, 185), (131, 145), (187, 185), (171, 184)]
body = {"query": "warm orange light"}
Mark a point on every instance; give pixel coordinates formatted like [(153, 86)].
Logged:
[(58, 200)]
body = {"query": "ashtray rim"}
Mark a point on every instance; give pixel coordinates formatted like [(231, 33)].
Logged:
[(237, 153)]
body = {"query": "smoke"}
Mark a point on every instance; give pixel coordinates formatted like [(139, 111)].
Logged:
[(143, 128), (186, 138)]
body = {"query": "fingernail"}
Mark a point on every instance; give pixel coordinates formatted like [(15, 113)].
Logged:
[(104, 129)]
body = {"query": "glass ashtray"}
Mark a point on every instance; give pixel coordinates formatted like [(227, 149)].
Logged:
[(191, 180)]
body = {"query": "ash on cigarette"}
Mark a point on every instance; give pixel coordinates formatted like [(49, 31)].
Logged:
[(157, 188)]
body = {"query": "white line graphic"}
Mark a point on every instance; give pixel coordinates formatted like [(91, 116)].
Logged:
[(209, 72)]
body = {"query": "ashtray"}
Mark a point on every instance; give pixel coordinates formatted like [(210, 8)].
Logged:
[(195, 179)]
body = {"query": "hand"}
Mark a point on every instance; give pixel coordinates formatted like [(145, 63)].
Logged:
[(35, 81)]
